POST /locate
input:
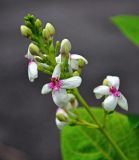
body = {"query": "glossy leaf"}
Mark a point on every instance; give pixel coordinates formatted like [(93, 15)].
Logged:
[(129, 25), (80, 143)]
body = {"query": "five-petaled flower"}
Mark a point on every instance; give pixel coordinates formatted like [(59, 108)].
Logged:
[(112, 93), (58, 87), (32, 67)]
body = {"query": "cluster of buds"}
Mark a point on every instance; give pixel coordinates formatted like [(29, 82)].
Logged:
[(65, 70), (48, 31)]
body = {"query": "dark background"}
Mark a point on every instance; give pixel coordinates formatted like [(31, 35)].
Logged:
[(27, 119)]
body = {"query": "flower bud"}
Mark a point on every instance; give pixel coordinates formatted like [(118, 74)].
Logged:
[(38, 59), (50, 29), (38, 23), (25, 31), (57, 47), (81, 63), (65, 46), (105, 82), (46, 34), (33, 49), (42, 65), (73, 103), (61, 118), (76, 73)]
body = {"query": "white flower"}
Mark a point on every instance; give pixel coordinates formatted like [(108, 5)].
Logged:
[(58, 87), (112, 93), (32, 67), (73, 60), (61, 124), (32, 71), (72, 103)]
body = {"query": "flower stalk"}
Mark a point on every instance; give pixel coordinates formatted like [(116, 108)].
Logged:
[(102, 130), (65, 71)]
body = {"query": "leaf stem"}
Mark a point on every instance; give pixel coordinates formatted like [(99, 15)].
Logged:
[(102, 130)]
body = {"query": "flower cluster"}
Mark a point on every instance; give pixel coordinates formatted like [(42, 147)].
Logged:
[(65, 70)]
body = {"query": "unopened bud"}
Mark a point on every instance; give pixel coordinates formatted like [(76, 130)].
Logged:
[(33, 49), (61, 117), (38, 59), (76, 73), (65, 46), (105, 82), (38, 23), (50, 29), (46, 34), (25, 31), (57, 47), (42, 65), (73, 103), (81, 63)]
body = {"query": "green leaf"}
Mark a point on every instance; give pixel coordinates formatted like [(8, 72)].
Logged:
[(80, 143), (129, 25)]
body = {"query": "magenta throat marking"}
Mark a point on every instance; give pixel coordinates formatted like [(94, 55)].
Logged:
[(30, 61), (115, 92), (55, 84)]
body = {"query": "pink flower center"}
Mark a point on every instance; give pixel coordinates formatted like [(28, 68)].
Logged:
[(55, 84), (30, 61), (115, 92)]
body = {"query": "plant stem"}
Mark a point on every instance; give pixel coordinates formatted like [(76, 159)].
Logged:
[(102, 130), (104, 119), (87, 124)]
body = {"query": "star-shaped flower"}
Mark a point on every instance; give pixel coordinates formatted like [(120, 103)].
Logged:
[(112, 94), (58, 87)]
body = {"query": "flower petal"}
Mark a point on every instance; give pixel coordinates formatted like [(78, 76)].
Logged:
[(110, 103), (98, 96), (113, 81), (122, 102), (32, 71), (57, 71), (58, 59), (29, 55), (72, 82), (74, 64), (102, 90), (46, 89), (76, 57), (60, 97), (60, 124)]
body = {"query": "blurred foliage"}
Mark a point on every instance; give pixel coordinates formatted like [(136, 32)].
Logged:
[(80, 143), (129, 26)]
